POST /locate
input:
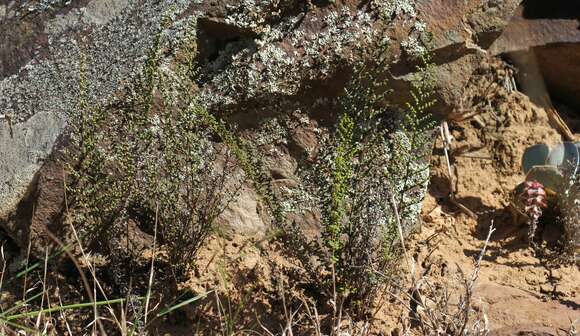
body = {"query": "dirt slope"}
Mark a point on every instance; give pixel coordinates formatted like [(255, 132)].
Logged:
[(518, 291)]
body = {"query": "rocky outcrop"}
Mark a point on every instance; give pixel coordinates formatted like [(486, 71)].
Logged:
[(257, 59), (36, 98), (462, 33), (543, 40)]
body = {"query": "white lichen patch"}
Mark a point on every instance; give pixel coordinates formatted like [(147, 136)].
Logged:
[(271, 132), (389, 9), (271, 67), (414, 45), (296, 200), (251, 14)]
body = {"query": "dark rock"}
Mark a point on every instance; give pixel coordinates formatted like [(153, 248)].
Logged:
[(257, 61), (543, 41)]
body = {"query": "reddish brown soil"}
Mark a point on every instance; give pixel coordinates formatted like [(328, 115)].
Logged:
[(518, 291), (251, 284)]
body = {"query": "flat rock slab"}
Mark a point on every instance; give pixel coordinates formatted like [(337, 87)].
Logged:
[(543, 40), (512, 311)]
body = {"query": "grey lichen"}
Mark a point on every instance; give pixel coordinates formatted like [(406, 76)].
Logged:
[(392, 8), (268, 67), (97, 13), (35, 6), (313, 47), (46, 90), (251, 14), (413, 45), (112, 50), (271, 132)]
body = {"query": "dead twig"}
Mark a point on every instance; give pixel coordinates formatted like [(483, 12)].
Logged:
[(431, 307), (447, 139), (558, 123)]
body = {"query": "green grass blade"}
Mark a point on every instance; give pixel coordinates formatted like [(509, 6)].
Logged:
[(19, 327), (20, 304), (183, 303), (37, 264), (61, 308)]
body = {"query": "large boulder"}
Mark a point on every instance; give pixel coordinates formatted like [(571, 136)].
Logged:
[(39, 73), (257, 59)]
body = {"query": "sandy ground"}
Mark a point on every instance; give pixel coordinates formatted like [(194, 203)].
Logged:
[(249, 282), (516, 291), (519, 291)]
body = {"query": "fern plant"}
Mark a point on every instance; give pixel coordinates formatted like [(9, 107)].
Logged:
[(149, 158), (410, 146), (341, 174), (377, 159)]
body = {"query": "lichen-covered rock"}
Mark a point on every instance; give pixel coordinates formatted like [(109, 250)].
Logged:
[(462, 32), (257, 59), (112, 36)]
